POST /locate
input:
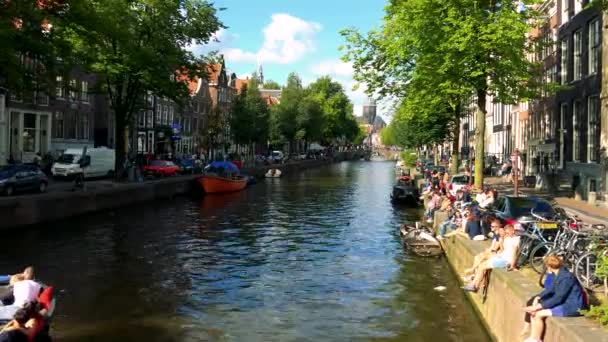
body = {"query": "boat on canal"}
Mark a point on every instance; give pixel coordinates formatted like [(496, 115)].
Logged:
[(419, 240), (221, 177), (405, 191), (273, 173), (46, 300)]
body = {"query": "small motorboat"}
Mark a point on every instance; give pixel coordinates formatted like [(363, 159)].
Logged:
[(46, 299), (213, 184), (273, 173), (222, 176), (405, 191), (420, 240)]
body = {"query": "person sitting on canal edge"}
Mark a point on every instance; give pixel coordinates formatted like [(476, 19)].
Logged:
[(563, 298), (454, 222), (505, 259), (498, 235)]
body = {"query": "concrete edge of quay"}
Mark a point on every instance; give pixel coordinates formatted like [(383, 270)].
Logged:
[(36, 209), (502, 311)]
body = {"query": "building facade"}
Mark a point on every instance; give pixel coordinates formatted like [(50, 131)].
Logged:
[(576, 123), (47, 119)]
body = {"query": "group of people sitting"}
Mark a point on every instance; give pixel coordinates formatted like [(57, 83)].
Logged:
[(562, 296), (25, 303)]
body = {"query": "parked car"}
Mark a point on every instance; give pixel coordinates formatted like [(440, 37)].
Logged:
[(186, 166), (517, 210), (277, 156), (458, 182), (22, 178), (161, 168), (101, 163)]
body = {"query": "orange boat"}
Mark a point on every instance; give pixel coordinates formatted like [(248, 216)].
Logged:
[(216, 184)]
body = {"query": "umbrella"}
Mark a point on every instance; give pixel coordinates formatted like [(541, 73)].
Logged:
[(315, 147), (226, 165)]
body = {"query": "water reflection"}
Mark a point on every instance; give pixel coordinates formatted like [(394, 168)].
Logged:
[(310, 256)]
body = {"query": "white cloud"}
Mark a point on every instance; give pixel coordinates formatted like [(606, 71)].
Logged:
[(286, 40), (220, 40), (333, 68)]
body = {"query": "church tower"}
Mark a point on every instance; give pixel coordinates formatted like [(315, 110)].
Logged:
[(261, 76)]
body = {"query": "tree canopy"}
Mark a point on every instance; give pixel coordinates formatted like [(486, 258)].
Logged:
[(436, 54), (250, 116), (146, 50), (270, 84)]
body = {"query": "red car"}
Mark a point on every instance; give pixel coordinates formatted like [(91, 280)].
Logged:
[(161, 168)]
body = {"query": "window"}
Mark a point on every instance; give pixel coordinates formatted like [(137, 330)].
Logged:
[(578, 50), (171, 113), (594, 46), (59, 89), (84, 92), (141, 119), (159, 110), (16, 96), (58, 125), (564, 62), (42, 98), (592, 128), (73, 88), (29, 132), (576, 112), (165, 115), (71, 122), (150, 118), (566, 10), (84, 126)]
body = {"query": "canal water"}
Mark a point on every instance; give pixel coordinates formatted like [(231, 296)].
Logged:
[(313, 256)]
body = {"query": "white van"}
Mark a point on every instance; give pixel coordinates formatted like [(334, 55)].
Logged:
[(102, 163)]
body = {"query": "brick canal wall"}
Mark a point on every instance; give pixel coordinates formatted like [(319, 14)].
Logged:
[(507, 294), (35, 209)]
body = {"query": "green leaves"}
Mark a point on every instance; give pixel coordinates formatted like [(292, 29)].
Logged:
[(250, 120), (433, 55)]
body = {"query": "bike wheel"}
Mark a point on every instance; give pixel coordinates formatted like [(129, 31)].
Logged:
[(537, 256), (585, 272), (524, 252)]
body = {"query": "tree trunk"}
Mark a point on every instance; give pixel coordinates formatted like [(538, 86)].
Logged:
[(121, 133), (456, 142), (480, 135), (436, 158)]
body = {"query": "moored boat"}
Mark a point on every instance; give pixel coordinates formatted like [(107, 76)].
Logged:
[(405, 191), (222, 176), (419, 240), (46, 300), (213, 184), (273, 173)]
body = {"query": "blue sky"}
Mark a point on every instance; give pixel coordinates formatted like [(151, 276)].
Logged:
[(293, 35)]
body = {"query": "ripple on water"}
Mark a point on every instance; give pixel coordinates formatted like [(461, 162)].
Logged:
[(313, 256)]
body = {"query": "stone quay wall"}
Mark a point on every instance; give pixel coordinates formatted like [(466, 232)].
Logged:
[(502, 310), (36, 209)]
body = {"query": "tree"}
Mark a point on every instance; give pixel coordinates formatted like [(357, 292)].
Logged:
[(337, 110), (270, 84), (250, 116), (310, 118), (139, 46), (463, 44), (27, 34), (288, 110)]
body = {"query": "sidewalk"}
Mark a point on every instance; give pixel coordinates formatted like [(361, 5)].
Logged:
[(564, 198)]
